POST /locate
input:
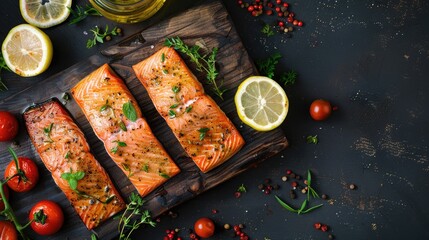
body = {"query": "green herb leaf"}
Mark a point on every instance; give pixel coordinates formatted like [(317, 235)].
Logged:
[(93, 237), (188, 109), (267, 30), (288, 78), (172, 113), (82, 12), (303, 205), (165, 71), (114, 149), (267, 67), (122, 126), (164, 175), (129, 111), (203, 132), (162, 57), (312, 139), (285, 205), (146, 168), (312, 208), (105, 106), (67, 156), (242, 188), (206, 63), (174, 106), (98, 37), (121, 144), (175, 89), (73, 178)]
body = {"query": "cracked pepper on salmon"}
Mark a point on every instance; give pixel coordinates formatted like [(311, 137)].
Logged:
[(117, 121), (201, 127), (65, 152)]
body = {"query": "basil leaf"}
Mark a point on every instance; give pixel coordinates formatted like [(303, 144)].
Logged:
[(129, 111)]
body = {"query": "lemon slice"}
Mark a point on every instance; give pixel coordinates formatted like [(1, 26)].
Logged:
[(27, 50), (43, 13), (261, 103)]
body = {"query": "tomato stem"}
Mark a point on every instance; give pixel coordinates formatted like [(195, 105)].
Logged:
[(10, 214)]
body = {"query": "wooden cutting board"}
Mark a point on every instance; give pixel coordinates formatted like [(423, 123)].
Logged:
[(207, 24)]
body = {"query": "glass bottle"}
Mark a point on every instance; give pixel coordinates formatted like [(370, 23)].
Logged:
[(127, 11)]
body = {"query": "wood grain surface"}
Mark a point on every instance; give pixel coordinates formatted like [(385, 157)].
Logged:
[(207, 23)]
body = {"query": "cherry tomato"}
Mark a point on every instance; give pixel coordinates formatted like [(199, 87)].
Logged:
[(204, 227), (320, 109), (48, 217), (8, 126), (17, 183), (6, 193), (7, 231)]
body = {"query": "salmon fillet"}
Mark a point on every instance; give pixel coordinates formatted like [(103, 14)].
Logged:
[(201, 127), (104, 99), (64, 150)]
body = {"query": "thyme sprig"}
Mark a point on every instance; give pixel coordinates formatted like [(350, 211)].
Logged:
[(99, 35), (133, 217), (206, 63), (267, 67), (3, 65), (82, 12)]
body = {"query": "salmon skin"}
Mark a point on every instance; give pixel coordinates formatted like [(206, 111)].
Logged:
[(64, 150), (201, 127), (117, 121)]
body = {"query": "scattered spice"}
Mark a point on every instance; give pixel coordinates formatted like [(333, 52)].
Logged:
[(352, 186), (99, 36), (279, 9)]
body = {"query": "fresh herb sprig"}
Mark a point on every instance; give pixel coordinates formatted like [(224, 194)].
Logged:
[(47, 131), (312, 139), (3, 65), (99, 36), (242, 188), (73, 178), (304, 205), (129, 111), (203, 132), (267, 67), (133, 217), (206, 63), (82, 12), (267, 30)]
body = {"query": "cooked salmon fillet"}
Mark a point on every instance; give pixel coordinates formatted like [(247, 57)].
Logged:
[(202, 128), (128, 139), (64, 150)]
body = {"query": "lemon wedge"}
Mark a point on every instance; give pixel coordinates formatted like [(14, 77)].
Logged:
[(261, 103), (44, 14), (27, 50)]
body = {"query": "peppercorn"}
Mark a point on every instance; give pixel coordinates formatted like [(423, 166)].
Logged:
[(324, 196), (241, 226), (292, 175), (278, 9), (288, 172), (285, 5), (214, 211), (295, 22), (276, 187), (304, 191), (226, 226), (300, 23), (279, 1), (291, 14), (317, 225), (237, 194), (284, 178), (250, 8), (324, 228), (352, 186), (269, 12), (298, 177), (290, 29), (280, 14), (330, 236), (294, 184), (270, 5), (261, 186), (119, 31), (108, 38)]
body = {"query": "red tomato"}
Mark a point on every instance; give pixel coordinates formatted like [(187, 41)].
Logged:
[(320, 109), (8, 126), (7, 231), (48, 217), (204, 227), (6, 193), (17, 183)]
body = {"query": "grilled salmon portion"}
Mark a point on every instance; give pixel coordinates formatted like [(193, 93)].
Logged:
[(117, 121), (66, 154), (202, 128)]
